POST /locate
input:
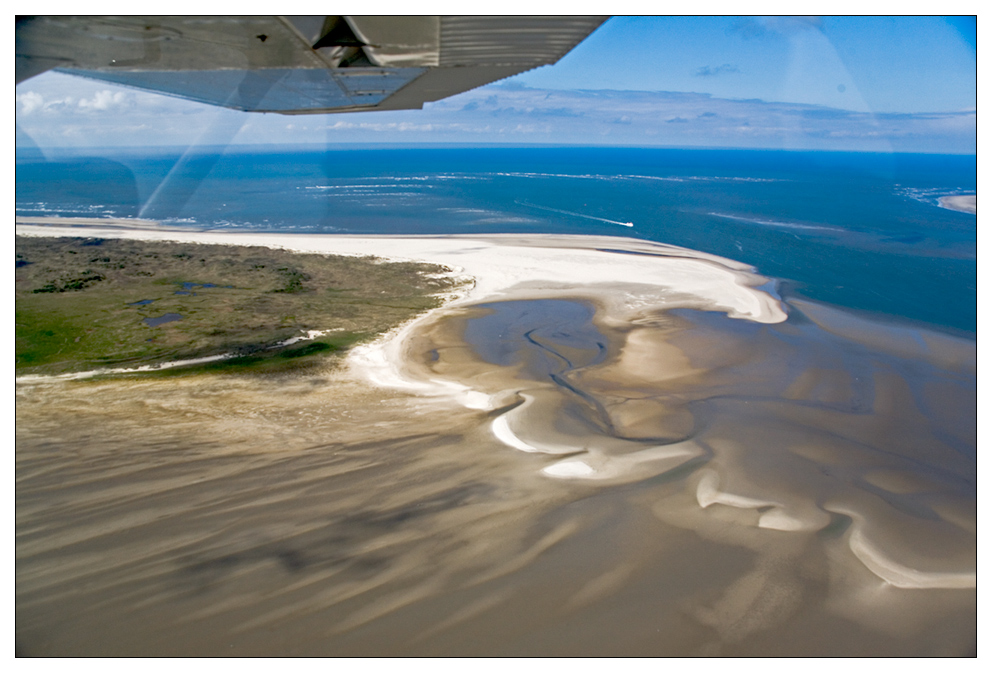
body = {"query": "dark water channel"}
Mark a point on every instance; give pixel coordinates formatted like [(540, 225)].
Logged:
[(549, 340), (547, 336)]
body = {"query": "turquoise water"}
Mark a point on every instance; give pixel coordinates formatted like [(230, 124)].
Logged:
[(861, 231)]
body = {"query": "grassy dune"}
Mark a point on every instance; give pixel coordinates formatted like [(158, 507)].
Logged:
[(85, 303)]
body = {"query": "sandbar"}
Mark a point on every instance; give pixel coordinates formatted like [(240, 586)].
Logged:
[(967, 203)]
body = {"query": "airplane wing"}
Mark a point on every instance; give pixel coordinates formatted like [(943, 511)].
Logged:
[(298, 64)]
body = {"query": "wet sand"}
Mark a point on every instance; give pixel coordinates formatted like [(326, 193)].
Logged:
[(591, 453)]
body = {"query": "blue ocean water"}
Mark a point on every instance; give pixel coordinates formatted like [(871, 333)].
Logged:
[(862, 231)]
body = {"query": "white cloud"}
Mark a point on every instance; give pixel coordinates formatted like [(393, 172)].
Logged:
[(60, 111), (764, 27), (30, 102), (104, 100)]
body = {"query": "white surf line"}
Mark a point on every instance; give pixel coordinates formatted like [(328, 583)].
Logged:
[(568, 212), (72, 376)]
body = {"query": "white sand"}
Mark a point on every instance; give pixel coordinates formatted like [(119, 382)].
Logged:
[(594, 465), (967, 203), (775, 516)]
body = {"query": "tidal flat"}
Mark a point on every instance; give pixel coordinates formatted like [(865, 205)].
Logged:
[(586, 453)]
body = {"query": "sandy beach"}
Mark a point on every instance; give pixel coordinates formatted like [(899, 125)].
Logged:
[(603, 446), (966, 204)]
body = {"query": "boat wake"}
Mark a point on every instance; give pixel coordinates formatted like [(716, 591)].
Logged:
[(574, 214)]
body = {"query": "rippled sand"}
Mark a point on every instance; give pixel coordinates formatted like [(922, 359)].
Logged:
[(620, 470)]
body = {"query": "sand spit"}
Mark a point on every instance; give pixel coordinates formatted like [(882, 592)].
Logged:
[(604, 447), (524, 266), (967, 203)]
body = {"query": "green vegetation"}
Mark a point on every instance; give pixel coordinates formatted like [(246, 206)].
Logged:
[(85, 304)]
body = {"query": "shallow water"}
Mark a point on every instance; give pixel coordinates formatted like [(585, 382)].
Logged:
[(547, 336), (163, 319)]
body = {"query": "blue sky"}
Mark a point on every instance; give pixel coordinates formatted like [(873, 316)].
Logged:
[(884, 64), (838, 83)]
